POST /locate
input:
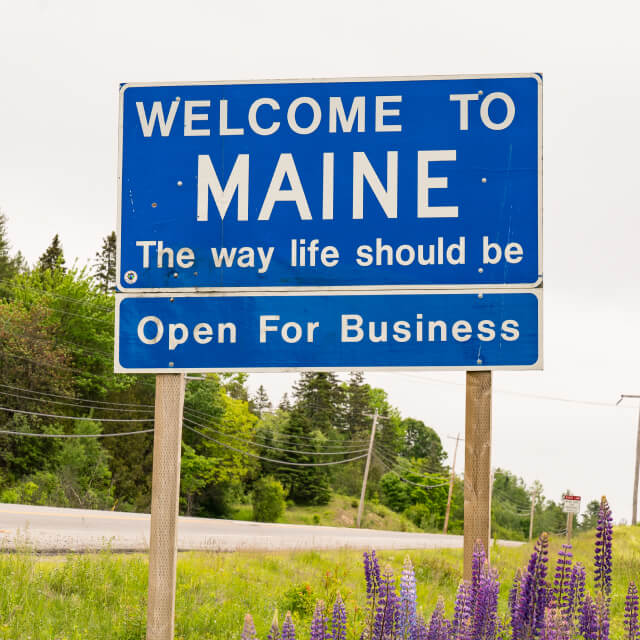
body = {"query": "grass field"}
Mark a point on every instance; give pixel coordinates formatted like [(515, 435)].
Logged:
[(103, 596), (340, 512)]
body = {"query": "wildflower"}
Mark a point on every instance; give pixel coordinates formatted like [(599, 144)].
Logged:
[(555, 626), (575, 593), (439, 626), (288, 629), (408, 608), (477, 564), (561, 579), (631, 628), (339, 620), (372, 579), (514, 593), (603, 554), (462, 612), (485, 613), (274, 632), (532, 601), (319, 623), (588, 619), (387, 612), (249, 629)]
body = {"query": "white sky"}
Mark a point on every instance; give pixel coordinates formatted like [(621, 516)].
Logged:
[(60, 65)]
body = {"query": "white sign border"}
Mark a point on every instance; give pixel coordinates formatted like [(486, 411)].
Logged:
[(307, 288), (538, 365)]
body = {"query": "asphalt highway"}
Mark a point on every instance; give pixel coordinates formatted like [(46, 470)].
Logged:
[(54, 530)]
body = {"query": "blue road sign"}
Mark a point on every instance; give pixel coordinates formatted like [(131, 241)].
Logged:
[(452, 330), (380, 183)]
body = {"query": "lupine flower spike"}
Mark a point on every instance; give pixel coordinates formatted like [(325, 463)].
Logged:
[(603, 554), (631, 628), (387, 612), (555, 626), (319, 623), (339, 620), (249, 630), (408, 608), (588, 619), (439, 626), (532, 601), (575, 593), (562, 577), (274, 632), (288, 629)]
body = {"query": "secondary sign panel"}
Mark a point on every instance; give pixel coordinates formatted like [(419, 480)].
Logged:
[(420, 182), (571, 504), (471, 330)]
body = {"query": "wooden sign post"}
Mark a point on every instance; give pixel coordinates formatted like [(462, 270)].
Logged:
[(165, 495), (477, 465)]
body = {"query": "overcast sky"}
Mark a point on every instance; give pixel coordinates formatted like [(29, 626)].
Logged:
[(61, 63)]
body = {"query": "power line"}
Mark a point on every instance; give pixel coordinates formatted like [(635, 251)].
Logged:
[(57, 395), (537, 396), (284, 462), (68, 404), (388, 460), (265, 446), (55, 415), (74, 435)]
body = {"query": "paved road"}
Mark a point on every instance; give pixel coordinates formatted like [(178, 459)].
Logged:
[(49, 529)]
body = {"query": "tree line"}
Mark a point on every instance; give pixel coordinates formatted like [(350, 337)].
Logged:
[(56, 379)]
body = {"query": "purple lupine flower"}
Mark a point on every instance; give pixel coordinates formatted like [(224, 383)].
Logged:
[(439, 626), (631, 628), (288, 629), (588, 624), (514, 593), (603, 553), (532, 601), (422, 632), (485, 613), (387, 612), (555, 626), (319, 623), (408, 597), (249, 629), (477, 565), (462, 613), (602, 617), (575, 593), (274, 632), (372, 579), (561, 578), (339, 620)]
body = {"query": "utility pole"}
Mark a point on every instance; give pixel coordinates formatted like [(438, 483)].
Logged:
[(534, 498), (453, 477), (366, 468), (636, 475)]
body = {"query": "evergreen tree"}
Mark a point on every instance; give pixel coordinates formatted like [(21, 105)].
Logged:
[(285, 403), (321, 398), (105, 263), (304, 485), (9, 266), (358, 410), (261, 401), (53, 258)]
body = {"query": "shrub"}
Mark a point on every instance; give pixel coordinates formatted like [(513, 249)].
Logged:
[(267, 500)]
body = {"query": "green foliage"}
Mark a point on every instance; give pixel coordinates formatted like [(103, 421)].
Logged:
[(268, 500), (423, 443), (104, 269), (53, 258), (299, 599)]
